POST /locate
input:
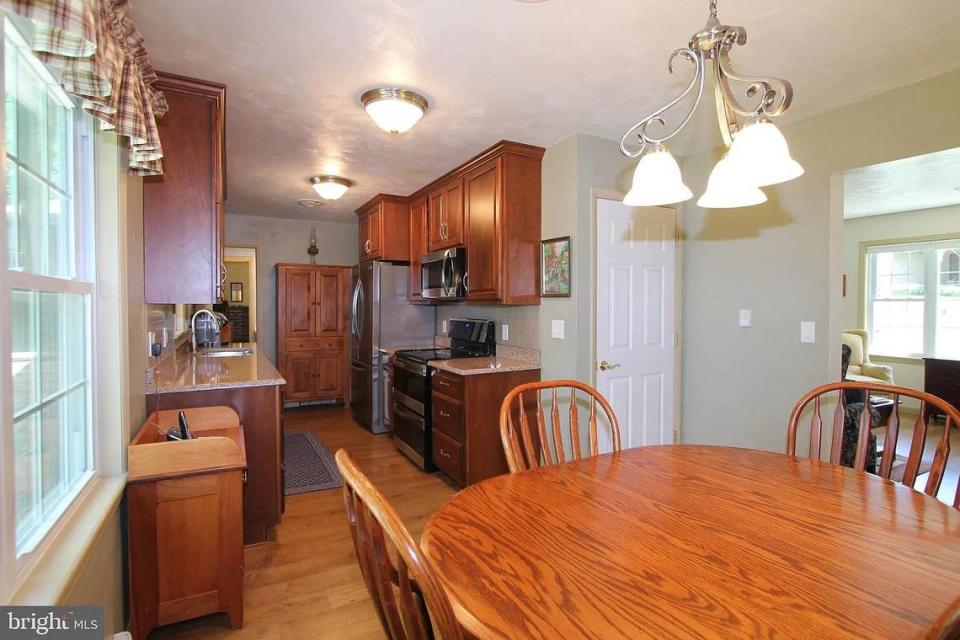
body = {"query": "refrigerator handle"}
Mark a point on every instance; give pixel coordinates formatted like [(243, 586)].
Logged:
[(355, 311), (362, 303)]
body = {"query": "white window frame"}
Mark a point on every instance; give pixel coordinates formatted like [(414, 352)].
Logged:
[(14, 567), (931, 283)]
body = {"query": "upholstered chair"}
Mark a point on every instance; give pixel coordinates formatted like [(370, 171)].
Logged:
[(861, 369)]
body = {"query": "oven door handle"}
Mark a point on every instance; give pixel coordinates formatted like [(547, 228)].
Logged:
[(412, 368), (401, 410)]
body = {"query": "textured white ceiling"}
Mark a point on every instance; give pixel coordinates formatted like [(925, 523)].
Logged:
[(493, 69), (908, 184)]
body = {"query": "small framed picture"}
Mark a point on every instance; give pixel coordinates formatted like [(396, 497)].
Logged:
[(555, 268), (236, 292)]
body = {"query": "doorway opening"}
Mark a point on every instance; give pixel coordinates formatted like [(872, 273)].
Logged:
[(240, 291), (637, 306)]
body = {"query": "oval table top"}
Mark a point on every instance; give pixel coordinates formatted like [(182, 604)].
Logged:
[(685, 541)]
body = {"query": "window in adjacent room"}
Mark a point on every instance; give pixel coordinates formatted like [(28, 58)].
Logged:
[(913, 299), (46, 298)]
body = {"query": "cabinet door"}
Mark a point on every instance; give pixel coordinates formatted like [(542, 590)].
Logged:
[(300, 372), (364, 237), (329, 374), (299, 310), (418, 245), (329, 303), (482, 188), (453, 213), (376, 231), (435, 221)]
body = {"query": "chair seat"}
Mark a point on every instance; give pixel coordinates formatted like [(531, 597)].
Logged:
[(852, 377)]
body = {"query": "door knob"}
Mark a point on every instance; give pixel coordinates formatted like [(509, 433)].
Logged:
[(605, 366)]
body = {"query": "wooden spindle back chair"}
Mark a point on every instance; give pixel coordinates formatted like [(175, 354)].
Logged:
[(528, 447), (891, 433), (406, 593)]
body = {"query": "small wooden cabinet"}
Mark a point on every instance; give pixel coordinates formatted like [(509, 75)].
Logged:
[(185, 520), (941, 378), (466, 422), (384, 229), (445, 215), (183, 208), (312, 318)]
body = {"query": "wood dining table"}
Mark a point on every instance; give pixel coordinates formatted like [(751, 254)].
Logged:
[(688, 541)]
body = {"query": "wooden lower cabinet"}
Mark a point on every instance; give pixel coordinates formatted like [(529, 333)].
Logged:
[(466, 422), (941, 378), (185, 517)]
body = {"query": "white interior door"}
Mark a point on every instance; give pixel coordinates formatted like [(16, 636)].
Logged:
[(636, 318)]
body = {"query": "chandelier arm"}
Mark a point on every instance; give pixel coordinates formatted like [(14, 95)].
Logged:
[(640, 128), (775, 94)]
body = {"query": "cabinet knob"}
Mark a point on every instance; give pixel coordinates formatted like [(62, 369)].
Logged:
[(444, 453)]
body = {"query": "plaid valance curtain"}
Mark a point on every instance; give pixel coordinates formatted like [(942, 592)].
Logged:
[(102, 61)]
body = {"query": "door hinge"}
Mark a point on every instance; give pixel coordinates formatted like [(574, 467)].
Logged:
[(676, 437), (676, 338)]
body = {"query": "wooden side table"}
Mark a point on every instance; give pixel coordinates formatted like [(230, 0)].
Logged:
[(185, 520)]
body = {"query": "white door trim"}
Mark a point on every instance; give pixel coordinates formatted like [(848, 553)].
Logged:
[(599, 193)]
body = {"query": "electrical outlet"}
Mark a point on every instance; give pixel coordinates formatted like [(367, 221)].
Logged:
[(808, 332), (746, 318), (505, 332), (556, 329), (443, 327)]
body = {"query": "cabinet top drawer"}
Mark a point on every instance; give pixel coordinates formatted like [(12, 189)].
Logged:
[(448, 384), (314, 344)]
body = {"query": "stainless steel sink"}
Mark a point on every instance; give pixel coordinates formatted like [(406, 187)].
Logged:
[(225, 352)]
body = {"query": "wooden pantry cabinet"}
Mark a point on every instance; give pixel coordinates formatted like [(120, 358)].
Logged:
[(312, 319), (384, 229), (183, 208)]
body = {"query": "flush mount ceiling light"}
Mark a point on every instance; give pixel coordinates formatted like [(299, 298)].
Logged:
[(395, 110), (758, 154), (330, 187)]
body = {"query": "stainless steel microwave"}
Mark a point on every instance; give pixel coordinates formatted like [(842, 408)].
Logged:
[(442, 274)]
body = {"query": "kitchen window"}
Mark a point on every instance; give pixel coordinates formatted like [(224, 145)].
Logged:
[(913, 299), (46, 301)]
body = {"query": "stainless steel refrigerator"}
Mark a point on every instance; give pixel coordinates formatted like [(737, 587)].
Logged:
[(381, 316)]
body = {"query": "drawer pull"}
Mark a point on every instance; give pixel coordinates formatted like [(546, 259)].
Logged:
[(444, 382), (444, 453), (444, 413)]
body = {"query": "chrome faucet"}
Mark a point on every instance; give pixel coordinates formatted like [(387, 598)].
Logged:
[(193, 325)]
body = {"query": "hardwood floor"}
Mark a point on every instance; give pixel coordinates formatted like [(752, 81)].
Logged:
[(305, 583)]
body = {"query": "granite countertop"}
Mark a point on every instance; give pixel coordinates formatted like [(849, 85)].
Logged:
[(475, 366), (185, 371)]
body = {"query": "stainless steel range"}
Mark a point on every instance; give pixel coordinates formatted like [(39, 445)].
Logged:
[(412, 424)]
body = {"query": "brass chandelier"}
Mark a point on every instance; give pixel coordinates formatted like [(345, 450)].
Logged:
[(757, 153)]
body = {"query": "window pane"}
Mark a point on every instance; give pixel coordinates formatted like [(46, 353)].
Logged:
[(13, 225), (26, 368), (77, 441), (59, 236), (10, 98), (75, 331), (31, 120), (52, 436), (948, 304), (52, 356), (25, 450), (32, 216), (897, 327), (58, 146)]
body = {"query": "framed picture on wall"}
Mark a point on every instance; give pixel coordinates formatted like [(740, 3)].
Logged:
[(236, 292), (555, 268)]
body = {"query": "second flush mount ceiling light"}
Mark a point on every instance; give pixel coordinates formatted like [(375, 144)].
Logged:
[(330, 187), (395, 110), (758, 155)]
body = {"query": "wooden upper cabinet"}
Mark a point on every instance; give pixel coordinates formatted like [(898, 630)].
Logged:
[(482, 186), (445, 216), (183, 208), (384, 229), (418, 246), (299, 311)]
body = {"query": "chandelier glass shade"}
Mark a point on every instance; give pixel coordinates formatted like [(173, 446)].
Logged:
[(330, 187), (657, 181), (758, 154)]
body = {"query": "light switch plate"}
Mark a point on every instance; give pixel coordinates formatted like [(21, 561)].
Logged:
[(443, 327), (505, 332), (808, 332), (556, 329), (746, 318)]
